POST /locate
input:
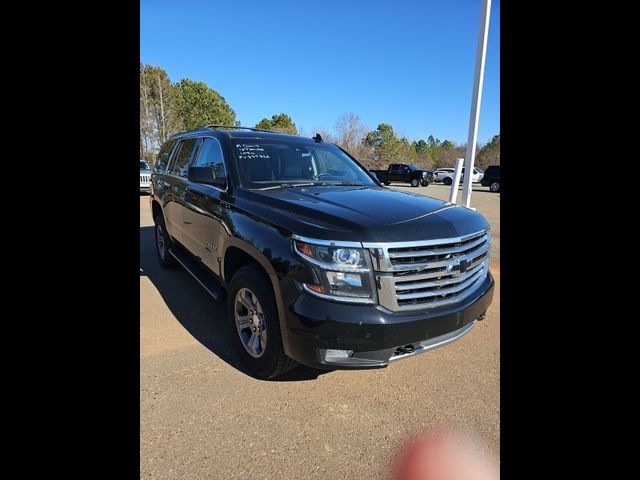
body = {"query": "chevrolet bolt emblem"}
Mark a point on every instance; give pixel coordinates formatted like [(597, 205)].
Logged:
[(457, 264), (452, 265)]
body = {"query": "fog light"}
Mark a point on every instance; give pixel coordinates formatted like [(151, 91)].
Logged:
[(335, 355)]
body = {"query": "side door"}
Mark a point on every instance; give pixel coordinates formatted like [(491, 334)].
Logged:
[(405, 173), (204, 213), (176, 180), (393, 173)]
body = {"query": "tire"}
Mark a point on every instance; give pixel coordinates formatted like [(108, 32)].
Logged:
[(163, 244), (250, 291), (494, 187), (424, 183), (387, 183), (447, 181), (415, 182)]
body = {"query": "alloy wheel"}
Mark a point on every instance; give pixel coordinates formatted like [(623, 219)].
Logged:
[(250, 322)]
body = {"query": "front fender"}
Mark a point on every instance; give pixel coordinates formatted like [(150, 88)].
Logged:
[(270, 247)]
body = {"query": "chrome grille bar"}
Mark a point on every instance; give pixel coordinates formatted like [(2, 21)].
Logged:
[(435, 292), (438, 251), (430, 273), (452, 280)]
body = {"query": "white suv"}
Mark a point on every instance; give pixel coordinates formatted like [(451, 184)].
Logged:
[(145, 177), (445, 175), (439, 174)]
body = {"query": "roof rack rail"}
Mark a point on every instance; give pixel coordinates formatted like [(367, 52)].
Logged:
[(238, 127)]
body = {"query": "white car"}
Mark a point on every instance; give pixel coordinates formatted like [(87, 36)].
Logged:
[(440, 173), (445, 175), (145, 177)]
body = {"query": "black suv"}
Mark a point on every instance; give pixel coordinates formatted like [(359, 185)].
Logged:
[(491, 178), (319, 263)]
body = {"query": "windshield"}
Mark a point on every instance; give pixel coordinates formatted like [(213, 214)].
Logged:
[(413, 167), (144, 165), (281, 163)]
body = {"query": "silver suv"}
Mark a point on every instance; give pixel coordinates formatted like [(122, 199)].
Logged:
[(145, 177)]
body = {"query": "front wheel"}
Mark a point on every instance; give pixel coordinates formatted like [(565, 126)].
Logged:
[(424, 183), (252, 308), (447, 181), (494, 187), (415, 182)]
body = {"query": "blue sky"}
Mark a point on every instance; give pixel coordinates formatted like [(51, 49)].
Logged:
[(407, 63)]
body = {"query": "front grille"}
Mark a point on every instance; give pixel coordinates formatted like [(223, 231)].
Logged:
[(431, 273), (144, 178)]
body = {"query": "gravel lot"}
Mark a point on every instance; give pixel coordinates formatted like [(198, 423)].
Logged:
[(202, 416)]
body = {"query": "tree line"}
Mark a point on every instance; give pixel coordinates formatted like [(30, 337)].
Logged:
[(167, 108)]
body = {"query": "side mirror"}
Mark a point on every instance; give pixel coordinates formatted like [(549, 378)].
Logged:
[(206, 175)]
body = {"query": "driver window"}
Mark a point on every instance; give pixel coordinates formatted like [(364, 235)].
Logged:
[(211, 156), (329, 167)]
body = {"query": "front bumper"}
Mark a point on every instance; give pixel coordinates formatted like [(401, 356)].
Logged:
[(145, 187), (375, 335)]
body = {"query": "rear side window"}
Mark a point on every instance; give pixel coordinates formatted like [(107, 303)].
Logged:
[(164, 155), (180, 165), (211, 156)]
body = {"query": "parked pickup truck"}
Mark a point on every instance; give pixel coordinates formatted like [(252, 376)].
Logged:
[(317, 262), (406, 173)]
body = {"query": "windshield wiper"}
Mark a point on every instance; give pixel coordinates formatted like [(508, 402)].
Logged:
[(345, 184), (313, 184), (289, 185)]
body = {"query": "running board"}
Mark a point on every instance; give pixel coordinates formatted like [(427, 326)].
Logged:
[(199, 272)]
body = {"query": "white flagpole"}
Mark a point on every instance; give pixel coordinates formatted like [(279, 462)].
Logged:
[(472, 138)]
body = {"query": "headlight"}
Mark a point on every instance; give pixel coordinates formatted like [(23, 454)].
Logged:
[(343, 273)]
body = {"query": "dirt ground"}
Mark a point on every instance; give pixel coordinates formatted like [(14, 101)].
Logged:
[(202, 416)]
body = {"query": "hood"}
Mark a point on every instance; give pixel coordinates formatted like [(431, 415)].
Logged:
[(371, 214), (145, 171)]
